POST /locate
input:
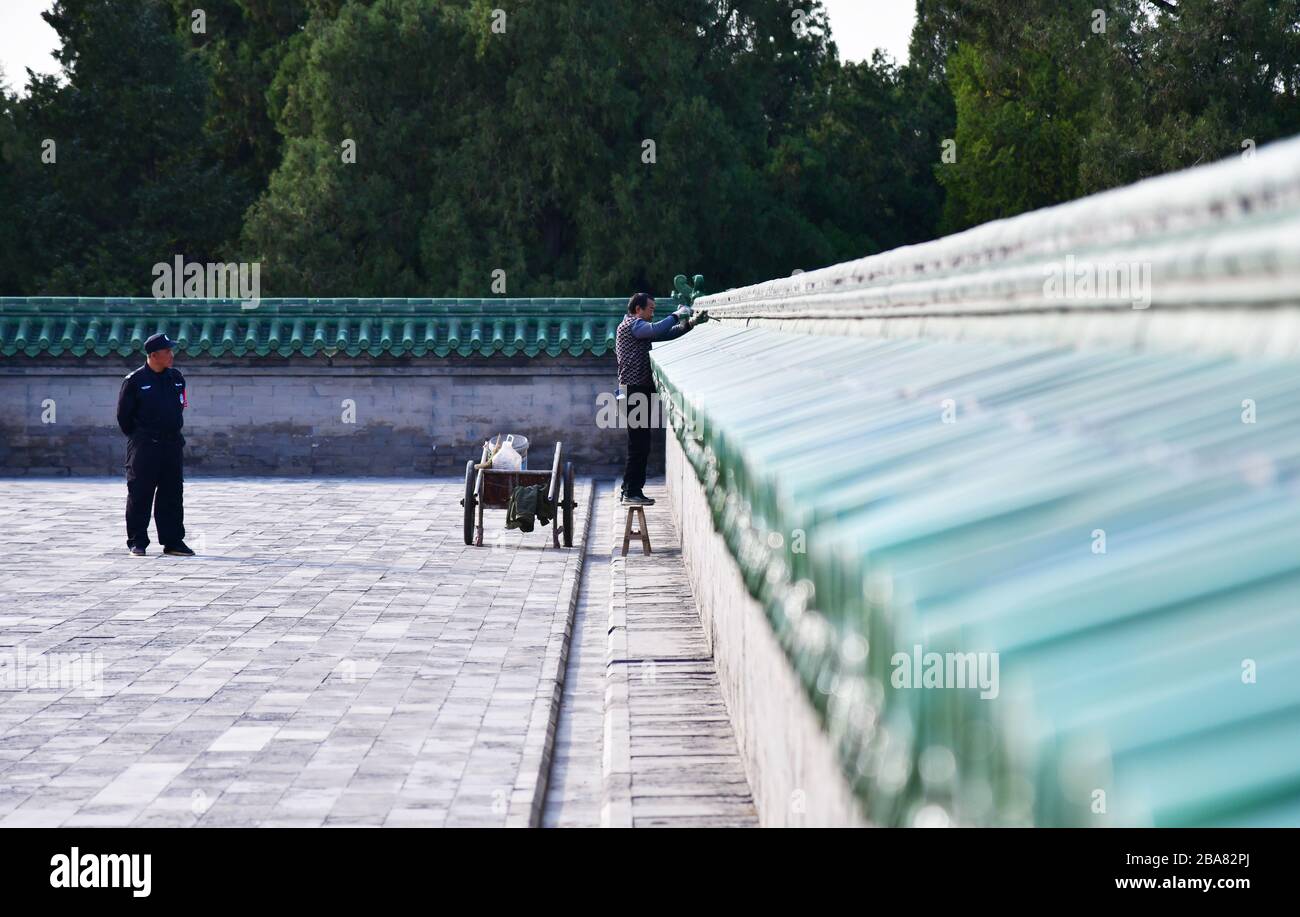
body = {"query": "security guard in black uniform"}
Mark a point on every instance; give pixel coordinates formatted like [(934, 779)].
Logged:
[(149, 411)]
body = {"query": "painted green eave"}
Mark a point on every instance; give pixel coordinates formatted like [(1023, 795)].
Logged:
[(55, 326), (1121, 529)]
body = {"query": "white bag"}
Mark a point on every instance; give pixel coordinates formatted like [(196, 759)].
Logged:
[(507, 459)]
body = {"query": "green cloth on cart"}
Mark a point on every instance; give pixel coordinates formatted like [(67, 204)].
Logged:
[(529, 503)]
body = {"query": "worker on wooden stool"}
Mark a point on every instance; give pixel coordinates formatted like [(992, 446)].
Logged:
[(632, 343)]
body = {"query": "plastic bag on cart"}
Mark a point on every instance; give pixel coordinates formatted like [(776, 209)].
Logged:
[(506, 458)]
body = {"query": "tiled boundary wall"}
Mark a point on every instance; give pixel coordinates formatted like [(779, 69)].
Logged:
[(286, 416), (1201, 261), (792, 769)]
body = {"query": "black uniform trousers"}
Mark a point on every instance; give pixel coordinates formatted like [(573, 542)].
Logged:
[(154, 479), (638, 438)]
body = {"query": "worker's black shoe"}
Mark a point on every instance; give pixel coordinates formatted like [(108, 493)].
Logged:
[(136, 552), (638, 500), (179, 549)]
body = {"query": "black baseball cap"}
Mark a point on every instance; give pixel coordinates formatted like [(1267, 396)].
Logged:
[(158, 342)]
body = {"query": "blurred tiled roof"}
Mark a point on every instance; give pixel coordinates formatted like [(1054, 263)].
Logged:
[(867, 525), (1091, 488), (54, 326)]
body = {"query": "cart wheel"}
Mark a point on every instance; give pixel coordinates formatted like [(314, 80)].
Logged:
[(568, 504), (469, 501)]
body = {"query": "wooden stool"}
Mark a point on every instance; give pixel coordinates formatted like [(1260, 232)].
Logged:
[(643, 532)]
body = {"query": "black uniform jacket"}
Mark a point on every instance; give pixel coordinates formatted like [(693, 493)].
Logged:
[(151, 403)]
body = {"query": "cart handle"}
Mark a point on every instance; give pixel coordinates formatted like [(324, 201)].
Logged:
[(553, 494)]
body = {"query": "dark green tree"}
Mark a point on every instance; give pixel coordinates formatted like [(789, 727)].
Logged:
[(524, 146), (243, 44), (1190, 82), (1023, 89), (1054, 102), (133, 182), (526, 149), (15, 275)]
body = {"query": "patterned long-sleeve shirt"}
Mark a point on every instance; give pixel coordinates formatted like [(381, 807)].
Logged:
[(632, 344)]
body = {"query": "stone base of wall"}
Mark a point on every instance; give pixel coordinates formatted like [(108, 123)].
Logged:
[(793, 773), (339, 416)]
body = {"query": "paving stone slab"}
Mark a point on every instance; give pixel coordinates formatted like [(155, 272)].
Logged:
[(333, 638)]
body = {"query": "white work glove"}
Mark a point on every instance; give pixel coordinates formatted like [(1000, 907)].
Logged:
[(683, 314)]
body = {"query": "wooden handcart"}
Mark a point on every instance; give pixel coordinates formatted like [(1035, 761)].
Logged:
[(490, 488)]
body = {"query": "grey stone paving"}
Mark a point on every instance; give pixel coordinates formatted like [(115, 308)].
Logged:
[(670, 755), (335, 656)]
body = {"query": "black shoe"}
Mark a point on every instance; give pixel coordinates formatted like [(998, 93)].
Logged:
[(638, 500), (179, 549), (136, 552)]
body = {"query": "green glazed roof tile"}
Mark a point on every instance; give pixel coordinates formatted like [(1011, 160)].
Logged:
[(52, 326), (1120, 670)]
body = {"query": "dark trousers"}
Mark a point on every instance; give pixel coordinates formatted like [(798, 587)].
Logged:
[(638, 437), (154, 479)]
